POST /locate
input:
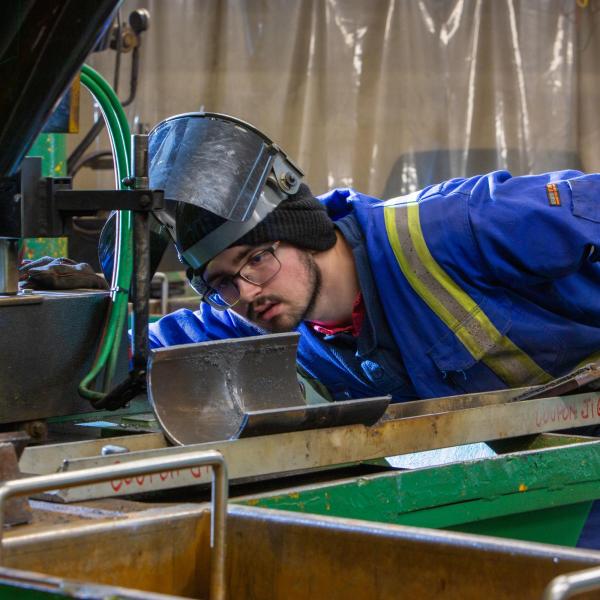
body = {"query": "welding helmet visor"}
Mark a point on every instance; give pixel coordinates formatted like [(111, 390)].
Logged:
[(212, 161)]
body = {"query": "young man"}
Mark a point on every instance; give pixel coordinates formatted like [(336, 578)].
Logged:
[(470, 285)]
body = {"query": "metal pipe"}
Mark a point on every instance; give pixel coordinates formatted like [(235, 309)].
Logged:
[(139, 160), (141, 289), (161, 277), (9, 272), (565, 586), (211, 458), (141, 256)]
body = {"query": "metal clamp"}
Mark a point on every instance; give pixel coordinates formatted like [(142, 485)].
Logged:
[(565, 586), (211, 458)]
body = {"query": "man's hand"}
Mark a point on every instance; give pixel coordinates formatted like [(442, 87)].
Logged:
[(49, 273)]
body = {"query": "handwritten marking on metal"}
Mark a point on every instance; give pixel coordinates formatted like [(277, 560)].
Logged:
[(586, 409), (141, 483)]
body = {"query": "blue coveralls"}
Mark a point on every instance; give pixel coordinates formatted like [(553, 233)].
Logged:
[(473, 284), (470, 285)]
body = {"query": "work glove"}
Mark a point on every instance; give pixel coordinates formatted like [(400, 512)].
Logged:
[(49, 273)]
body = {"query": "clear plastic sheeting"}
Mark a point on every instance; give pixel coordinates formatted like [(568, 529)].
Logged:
[(386, 96)]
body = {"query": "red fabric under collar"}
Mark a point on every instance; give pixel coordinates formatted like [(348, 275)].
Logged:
[(358, 316)]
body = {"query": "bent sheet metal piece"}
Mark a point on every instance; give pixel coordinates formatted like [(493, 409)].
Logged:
[(366, 411), (242, 387), (583, 379)]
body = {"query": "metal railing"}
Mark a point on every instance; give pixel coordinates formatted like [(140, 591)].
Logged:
[(565, 586), (211, 458)]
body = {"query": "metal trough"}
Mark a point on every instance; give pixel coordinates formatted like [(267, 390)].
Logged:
[(275, 555), (226, 389)]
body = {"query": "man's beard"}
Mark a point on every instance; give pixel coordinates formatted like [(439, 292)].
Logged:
[(289, 321)]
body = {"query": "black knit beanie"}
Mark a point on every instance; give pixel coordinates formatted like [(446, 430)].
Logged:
[(300, 220)]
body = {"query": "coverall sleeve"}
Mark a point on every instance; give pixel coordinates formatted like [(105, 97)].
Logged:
[(536, 228), (187, 327)]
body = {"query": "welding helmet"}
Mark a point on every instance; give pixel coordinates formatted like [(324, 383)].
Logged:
[(221, 178), (228, 170)]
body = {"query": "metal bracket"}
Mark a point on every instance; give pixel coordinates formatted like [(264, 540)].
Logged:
[(80, 202), (288, 180), (38, 206)]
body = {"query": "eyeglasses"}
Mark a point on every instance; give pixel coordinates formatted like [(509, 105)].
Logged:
[(259, 269)]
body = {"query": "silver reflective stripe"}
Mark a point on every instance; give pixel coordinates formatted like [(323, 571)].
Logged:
[(451, 303)]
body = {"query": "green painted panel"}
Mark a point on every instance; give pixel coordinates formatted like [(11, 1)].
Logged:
[(52, 147), (10, 592), (561, 525), (557, 483), (33, 248)]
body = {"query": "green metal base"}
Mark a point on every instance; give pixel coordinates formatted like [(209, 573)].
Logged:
[(561, 525), (25, 593), (542, 495)]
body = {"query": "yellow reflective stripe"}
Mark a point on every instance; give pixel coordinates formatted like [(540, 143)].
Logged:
[(453, 305), (412, 273)]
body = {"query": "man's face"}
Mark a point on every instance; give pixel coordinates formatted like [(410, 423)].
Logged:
[(280, 304)]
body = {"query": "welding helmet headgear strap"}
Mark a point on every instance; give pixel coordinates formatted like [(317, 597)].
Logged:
[(229, 232)]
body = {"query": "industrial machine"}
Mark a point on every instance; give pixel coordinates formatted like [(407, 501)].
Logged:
[(118, 501)]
